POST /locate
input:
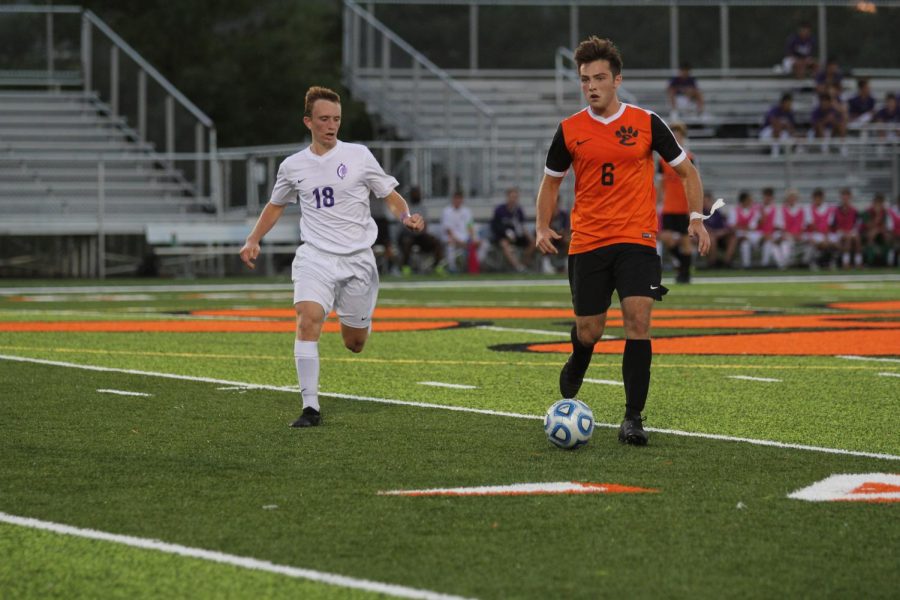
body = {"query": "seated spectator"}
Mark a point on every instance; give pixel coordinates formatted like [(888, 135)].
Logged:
[(685, 96), (799, 53), (767, 230), (746, 217), (721, 235), (509, 231), (861, 107), (779, 123), (421, 242), (827, 120), (889, 114), (822, 240), (675, 213), (385, 256), (875, 232), (846, 225), (458, 233), (791, 226), (829, 78), (893, 258)]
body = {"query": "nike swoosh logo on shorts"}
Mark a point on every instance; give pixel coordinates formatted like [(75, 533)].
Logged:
[(654, 287)]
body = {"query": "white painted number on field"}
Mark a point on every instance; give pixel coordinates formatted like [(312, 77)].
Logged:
[(864, 487)]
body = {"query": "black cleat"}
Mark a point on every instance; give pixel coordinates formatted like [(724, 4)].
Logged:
[(310, 417), (569, 386), (632, 432)]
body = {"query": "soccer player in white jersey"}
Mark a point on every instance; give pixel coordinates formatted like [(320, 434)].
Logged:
[(334, 268)]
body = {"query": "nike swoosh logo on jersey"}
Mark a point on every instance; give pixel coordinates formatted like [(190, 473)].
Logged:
[(580, 142)]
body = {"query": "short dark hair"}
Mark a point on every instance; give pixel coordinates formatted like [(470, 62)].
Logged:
[(743, 196), (818, 193), (318, 93), (787, 97), (861, 83), (595, 48), (768, 191)]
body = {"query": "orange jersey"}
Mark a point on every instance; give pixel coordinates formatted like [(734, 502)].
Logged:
[(615, 199), (674, 197)]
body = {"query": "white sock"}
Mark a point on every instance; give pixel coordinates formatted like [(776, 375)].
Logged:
[(306, 357)]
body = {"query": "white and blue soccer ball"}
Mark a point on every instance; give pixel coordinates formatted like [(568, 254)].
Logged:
[(569, 424)]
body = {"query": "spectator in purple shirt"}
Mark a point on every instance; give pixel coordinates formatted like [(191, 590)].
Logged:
[(684, 93), (827, 120), (508, 231), (779, 123), (861, 107), (830, 77), (799, 52), (889, 113)]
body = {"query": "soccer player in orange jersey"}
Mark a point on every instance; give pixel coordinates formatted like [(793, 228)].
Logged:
[(610, 146)]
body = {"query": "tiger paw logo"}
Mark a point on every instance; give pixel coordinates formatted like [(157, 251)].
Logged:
[(626, 134)]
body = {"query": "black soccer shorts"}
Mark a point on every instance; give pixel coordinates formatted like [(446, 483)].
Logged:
[(629, 269)]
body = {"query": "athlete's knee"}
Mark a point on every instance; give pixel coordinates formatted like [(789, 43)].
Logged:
[(590, 334), (355, 345)]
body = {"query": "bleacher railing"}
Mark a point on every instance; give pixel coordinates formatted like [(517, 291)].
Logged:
[(374, 57), (63, 53)]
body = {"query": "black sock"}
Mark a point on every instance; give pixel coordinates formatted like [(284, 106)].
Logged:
[(684, 267), (636, 373), (581, 354)]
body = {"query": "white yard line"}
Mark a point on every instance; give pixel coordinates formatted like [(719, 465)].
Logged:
[(398, 591), (886, 374), (603, 381), (454, 386), (482, 411), (748, 378), (124, 393), (871, 358)]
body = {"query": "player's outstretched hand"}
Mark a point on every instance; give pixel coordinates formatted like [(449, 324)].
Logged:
[(249, 253), (698, 232), (544, 238), (414, 222)]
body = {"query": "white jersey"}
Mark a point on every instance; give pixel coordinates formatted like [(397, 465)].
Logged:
[(457, 222), (333, 191)]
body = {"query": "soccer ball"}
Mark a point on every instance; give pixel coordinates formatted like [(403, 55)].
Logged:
[(569, 424)]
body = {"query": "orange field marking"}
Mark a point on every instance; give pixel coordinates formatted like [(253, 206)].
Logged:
[(893, 305), (208, 326), (465, 312), (816, 343)]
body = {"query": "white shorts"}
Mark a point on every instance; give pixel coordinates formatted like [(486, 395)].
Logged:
[(818, 237), (346, 284)]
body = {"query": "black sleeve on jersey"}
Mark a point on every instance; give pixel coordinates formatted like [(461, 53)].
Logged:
[(558, 157), (664, 141)]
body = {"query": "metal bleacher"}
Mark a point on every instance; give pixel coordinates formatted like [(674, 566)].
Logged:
[(44, 134), (515, 114)]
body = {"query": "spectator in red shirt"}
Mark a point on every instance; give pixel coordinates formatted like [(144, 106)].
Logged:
[(846, 224)]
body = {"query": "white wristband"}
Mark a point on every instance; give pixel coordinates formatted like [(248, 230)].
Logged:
[(716, 206)]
